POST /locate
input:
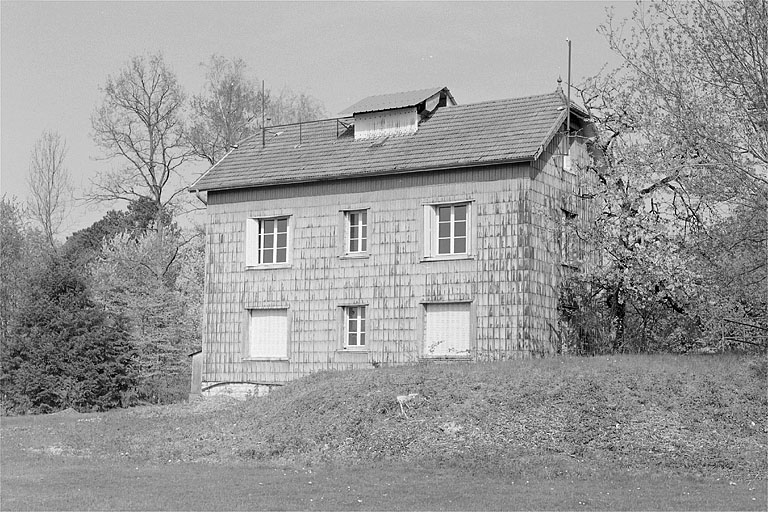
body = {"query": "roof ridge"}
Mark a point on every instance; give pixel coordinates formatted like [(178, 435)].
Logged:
[(505, 100)]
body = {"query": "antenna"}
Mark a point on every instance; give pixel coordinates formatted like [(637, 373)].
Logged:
[(263, 120), (568, 108)]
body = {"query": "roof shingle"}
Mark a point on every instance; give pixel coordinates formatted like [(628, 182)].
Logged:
[(456, 136)]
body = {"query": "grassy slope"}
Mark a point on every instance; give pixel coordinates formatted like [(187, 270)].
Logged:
[(698, 416)]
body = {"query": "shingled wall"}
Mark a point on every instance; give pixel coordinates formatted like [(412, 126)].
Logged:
[(510, 279)]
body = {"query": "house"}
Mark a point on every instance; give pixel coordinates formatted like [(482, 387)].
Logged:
[(411, 229)]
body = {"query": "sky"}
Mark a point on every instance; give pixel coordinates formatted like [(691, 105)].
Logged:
[(54, 57)]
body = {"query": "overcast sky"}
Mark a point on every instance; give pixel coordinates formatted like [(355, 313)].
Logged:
[(55, 56)]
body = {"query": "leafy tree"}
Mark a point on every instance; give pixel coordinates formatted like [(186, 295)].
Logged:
[(683, 176), (162, 308), (140, 123), (85, 245), (64, 350), (49, 184), (23, 253), (230, 108), (11, 252)]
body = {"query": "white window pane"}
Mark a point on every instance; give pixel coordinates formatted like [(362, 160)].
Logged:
[(355, 326)]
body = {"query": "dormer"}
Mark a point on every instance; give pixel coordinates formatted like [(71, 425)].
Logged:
[(396, 114)]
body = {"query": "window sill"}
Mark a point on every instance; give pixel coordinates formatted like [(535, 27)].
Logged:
[(269, 266), (447, 257), (266, 359), (356, 350), (355, 256)]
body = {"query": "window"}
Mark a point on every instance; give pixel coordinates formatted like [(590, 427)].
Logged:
[(447, 230), (357, 231), (447, 330), (568, 240), (267, 334), (354, 326), (266, 241)]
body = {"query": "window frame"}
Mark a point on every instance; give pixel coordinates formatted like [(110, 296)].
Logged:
[(255, 241), (567, 242), (347, 251), (361, 328), (431, 234)]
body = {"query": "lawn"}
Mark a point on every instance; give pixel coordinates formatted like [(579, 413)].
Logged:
[(628, 433)]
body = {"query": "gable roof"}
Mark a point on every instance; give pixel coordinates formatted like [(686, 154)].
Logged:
[(392, 101), (486, 133)]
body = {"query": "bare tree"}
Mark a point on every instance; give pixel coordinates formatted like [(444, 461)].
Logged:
[(227, 111), (49, 184), (290, 107), (230, 108), (140, 122)]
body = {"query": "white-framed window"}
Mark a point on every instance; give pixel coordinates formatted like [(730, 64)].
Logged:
[(354, 327), (267, 241), (447, 230), (267, 334), (447, 329), (356, 228)]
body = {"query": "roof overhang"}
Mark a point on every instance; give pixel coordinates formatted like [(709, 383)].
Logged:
[(392, 172)]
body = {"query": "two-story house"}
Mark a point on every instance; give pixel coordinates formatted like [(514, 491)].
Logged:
[(411, 229)]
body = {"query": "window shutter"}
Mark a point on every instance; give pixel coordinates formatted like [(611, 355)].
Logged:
[(429, 230), (251, 242), (268, 333), (447, 329)]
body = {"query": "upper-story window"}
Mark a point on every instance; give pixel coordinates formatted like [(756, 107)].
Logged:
[(267, 241), (357, 231), (447, 230), (452, 229)]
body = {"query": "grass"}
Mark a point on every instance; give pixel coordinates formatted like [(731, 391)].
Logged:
[(62, 484), (632, 432)]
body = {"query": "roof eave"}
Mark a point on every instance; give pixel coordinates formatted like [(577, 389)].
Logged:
[(393, 172)]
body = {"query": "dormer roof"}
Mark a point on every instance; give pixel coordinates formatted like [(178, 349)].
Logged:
[(396, 100)]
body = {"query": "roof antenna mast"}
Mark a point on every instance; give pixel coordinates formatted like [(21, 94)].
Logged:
[(568, 108), (263, 114)]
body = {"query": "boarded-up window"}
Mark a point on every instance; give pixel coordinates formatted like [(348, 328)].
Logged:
[(268, 334), (447, 330)]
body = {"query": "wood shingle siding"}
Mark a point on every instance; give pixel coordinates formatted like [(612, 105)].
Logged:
[(500, 281), (499, 278)]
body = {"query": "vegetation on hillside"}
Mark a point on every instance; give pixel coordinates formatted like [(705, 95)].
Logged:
[(696, 415)]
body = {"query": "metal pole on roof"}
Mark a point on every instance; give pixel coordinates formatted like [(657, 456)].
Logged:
[(263, 117), (568, 108)]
